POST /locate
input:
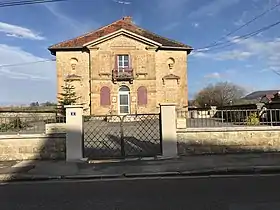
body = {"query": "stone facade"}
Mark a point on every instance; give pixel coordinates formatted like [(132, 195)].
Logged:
[(32, 147), (228, 140), (163, 72)]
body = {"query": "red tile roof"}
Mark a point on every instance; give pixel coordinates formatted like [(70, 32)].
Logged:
[(124, 23)]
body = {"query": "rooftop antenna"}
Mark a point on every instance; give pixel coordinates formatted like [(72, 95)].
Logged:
[(123, 3)]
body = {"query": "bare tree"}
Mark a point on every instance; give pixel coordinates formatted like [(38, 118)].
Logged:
[(220, 94)]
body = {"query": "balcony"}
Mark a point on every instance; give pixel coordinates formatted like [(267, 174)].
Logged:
[(124, 74)]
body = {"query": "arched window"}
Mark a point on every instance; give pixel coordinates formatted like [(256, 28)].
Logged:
[(142, 96), (105, 96)]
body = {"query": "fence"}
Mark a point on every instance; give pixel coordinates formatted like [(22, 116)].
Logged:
[(31, 123), (230, 118)]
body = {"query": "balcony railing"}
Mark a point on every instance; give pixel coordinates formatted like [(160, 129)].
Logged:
[(122, 74)]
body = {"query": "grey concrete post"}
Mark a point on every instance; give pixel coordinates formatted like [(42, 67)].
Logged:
[(74, 132), (168, 129)]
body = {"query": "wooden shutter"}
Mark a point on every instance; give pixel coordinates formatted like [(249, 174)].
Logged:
[(105, 96), (142, 96)]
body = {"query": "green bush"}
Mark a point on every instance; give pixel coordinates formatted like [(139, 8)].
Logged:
[(253, 119)]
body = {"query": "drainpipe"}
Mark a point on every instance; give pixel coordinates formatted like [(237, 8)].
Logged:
[(89, 75)]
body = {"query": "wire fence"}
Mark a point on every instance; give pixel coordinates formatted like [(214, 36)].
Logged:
[(28, 124), (230, 118)]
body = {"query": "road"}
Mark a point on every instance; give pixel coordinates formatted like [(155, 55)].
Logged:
[(229, 193)]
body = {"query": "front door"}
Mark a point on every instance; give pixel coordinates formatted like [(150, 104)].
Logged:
[(124, 102)]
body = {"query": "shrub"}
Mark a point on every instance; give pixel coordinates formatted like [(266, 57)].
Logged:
[(253, 119)]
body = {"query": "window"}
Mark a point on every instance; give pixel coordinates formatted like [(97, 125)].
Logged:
[(105, 96), (142, 96), (122, 62)]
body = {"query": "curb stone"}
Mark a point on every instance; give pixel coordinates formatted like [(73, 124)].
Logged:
[(203, 172), (132, 159)]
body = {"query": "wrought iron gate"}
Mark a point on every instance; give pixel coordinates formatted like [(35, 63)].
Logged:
[(114, 136)]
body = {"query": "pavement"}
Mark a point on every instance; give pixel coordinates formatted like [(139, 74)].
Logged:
[(188, 165), (254, 192)]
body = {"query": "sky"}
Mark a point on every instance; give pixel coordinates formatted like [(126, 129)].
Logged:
[(27, 31)]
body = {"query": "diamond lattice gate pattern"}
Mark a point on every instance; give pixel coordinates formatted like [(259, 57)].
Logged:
[(114, 136)]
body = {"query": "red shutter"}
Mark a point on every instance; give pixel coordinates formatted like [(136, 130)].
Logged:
[(105, 96), (142, 96)]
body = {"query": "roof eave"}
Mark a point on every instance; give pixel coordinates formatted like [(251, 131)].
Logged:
[(189, 49), (53, 50)]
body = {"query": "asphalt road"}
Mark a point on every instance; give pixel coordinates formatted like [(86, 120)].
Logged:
[(235, 193)]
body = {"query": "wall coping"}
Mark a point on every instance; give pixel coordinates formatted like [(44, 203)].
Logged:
[(223, 129), (31, 136), (73, 106), (167, 104)]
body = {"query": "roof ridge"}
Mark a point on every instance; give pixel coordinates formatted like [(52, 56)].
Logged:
[(86, 34)]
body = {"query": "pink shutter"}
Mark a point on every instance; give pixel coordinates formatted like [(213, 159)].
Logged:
[(105, 96), (142, 96)]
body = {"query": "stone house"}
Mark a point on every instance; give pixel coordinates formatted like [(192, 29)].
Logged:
[(122, 68)]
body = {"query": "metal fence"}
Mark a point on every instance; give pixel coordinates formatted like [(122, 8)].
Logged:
[(230, 118), (28, 124), (110, 136)]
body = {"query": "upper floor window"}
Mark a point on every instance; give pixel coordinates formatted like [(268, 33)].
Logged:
[(123, 61)]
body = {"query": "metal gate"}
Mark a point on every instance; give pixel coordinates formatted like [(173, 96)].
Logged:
[(115, 136)]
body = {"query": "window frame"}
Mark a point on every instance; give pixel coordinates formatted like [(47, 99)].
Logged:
[(121, 60)]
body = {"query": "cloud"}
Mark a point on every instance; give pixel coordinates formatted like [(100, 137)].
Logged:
[(172, 8), (264, 50), (233, 55), (214, 75), (10, 56), (76, 27), (195, 25), (212, 8), (224, 55), (171, 26), (19, 32)]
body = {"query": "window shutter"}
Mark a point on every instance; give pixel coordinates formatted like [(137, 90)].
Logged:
[(142, 96), (116, 62), (129, 61), (105, 96)]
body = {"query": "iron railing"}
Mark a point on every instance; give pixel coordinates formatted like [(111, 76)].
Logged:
[(28, 123), (121, 136), (122, 74), (230, 118)]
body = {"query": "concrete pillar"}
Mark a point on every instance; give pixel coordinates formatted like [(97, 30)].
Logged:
[(168, 129), (74, 132)]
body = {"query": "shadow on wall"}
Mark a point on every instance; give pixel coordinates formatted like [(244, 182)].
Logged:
[(208, 149)]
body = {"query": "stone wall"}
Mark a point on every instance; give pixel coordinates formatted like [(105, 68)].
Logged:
[(31, 147), (25, 116), (228, 140)]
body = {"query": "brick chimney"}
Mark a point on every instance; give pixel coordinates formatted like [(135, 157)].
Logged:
[(127, 19)]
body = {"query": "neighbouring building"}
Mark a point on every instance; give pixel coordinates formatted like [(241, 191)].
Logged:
[(122, 68), (263, 96)]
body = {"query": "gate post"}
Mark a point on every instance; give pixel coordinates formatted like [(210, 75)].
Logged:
[(74, 132), (168, 129)]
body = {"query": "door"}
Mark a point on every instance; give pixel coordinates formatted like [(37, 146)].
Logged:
[(124, 102)]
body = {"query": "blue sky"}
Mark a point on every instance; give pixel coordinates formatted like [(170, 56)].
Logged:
[(27, 31)]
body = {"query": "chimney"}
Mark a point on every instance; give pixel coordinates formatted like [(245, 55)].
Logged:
[(127, 19)]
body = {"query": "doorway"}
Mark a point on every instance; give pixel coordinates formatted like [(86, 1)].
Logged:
[(124, 100)]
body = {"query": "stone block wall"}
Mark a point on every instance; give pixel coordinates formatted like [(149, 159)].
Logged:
[(228, 140), (32, 147)]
